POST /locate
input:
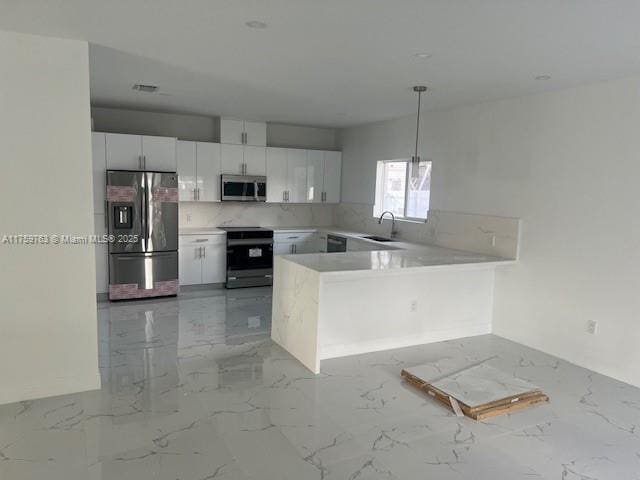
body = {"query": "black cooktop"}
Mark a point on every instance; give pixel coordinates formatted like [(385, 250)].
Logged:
[(244, 229)]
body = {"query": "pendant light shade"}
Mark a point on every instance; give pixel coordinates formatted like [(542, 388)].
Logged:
[(415, 159)]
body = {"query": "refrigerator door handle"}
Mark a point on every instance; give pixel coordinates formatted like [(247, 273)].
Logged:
[(145, 212)]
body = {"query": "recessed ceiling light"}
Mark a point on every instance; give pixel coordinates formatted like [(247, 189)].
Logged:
[(543, 77), (141, 87), (423, 55), (256, 24)]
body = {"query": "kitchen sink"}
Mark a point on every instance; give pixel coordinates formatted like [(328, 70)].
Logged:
[(378, 239)]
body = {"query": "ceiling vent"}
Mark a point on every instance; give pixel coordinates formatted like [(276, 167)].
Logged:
[(145, 88)]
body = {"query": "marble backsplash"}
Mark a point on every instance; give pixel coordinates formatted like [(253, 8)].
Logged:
[(209, 214), (486, 234)]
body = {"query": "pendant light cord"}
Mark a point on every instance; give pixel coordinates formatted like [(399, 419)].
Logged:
[(416, 157)]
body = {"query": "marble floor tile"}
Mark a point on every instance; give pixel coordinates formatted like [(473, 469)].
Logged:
[(194, 389)]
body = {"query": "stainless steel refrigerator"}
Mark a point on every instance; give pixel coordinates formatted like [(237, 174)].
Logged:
[(143, 229)]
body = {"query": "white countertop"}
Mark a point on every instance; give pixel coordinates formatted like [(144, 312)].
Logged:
[(425, 256), (200, 231), (390, 255)]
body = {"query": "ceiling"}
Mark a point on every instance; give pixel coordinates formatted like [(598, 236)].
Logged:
[(335, 62)]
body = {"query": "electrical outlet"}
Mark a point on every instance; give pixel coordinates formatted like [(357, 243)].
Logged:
[(592, 327), (414, 305)]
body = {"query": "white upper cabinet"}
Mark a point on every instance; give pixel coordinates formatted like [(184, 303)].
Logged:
[(315, 176), (231, 131), (303, 176), (140, 152), (99, 159), (276, 175), (255, 133), (332, 176), (186, 152), (286, 175), (296, 176), (323, 176), (208, 171), (232, 157), (123, 152), (159, 153), (255, 160), (239, 132), (199, 171)]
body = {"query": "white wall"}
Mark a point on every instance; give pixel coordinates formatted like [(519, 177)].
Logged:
[(203, 128), (568, 164), (186, 127), (296, 136), (48, 339)]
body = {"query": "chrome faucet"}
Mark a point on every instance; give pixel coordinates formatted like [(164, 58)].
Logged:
[(394, 232)]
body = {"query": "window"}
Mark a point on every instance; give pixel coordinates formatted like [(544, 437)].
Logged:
[(400, 192)]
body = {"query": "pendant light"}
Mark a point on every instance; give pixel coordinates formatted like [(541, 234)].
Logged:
[(415, 159)]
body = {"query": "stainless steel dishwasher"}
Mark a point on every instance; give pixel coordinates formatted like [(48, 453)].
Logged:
[(336, 244)]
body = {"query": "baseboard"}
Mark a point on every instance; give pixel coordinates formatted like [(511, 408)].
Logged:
[(346, 349), (49, 387)]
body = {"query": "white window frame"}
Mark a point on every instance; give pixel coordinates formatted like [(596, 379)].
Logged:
[(378, 209)]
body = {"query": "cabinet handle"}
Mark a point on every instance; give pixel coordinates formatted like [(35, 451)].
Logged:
[(204, 252), (284, 196), (144, 162), (295, 248), (194, 194), (198, 192), (139, 162)]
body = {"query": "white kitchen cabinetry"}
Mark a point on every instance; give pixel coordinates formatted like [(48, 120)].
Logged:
[(187, 171), (240, 132), (296, 176), (202, 259), (199, 171), (287, 243), (332, 176), (255, 159), (286, 175), (303, 176), (99, 159), (276, 175), (159, 153), (243, 159), (323, 176), (315, 176), (140, 152)]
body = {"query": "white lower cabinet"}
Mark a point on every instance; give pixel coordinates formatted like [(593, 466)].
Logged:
[(289, 243), (202, 259)]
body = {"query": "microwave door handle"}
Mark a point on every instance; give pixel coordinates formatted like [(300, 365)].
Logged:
[(255, 190)]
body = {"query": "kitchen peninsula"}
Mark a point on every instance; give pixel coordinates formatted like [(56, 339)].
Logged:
[(328, 305)]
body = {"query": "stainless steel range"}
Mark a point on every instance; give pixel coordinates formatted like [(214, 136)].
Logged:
[(249, 256)]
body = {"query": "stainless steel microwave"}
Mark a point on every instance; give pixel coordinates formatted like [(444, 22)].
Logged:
[(243, 188)]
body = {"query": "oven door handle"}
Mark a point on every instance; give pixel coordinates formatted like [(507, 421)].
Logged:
[(250, 241)]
